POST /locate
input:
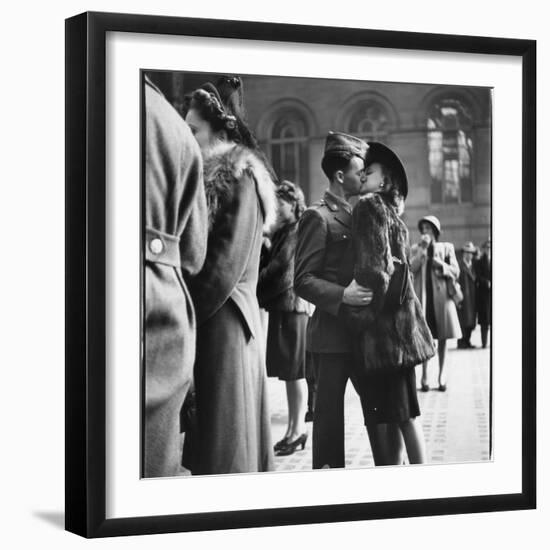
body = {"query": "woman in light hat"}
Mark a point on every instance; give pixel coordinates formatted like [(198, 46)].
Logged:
[(432, 264), (467, 308)]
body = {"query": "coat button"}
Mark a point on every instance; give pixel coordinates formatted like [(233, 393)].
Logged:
[(156, 246)]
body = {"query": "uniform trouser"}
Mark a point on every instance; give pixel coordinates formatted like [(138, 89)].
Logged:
[(169, 356), (466, 335), (333, 371)]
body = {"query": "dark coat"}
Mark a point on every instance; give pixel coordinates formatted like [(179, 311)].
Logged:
[(174, 249), (286, 334), (390, 339), (276, 280), (323, 268), (483, 281), (467, 308), (446, 317), (232, 412)]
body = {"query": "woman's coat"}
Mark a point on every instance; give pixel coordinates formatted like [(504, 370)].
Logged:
[(391, 337), (232, 409), (276, 280), (446, 315)]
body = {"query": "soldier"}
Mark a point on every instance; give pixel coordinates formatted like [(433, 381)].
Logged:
[(324, 277), (176, 230)]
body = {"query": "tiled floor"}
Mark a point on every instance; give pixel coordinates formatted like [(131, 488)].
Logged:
[(455, 422)]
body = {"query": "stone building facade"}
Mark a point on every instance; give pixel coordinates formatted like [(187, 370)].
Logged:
[(441, 133)]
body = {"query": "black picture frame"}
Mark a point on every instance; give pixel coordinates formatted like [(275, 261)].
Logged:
[(86, 272)]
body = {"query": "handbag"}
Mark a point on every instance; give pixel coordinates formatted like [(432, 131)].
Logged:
[(454, 290)]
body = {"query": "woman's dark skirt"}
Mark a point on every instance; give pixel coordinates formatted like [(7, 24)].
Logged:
[(430, 307), (390, 397), (286, 345)]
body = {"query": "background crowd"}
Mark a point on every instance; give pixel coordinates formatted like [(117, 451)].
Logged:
[(346, 296)]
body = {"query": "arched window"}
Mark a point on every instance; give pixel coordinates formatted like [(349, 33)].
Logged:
[(287, 146), (369, 120), (450, 151)]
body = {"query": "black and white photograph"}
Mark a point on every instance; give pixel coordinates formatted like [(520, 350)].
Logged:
[(316, 274)]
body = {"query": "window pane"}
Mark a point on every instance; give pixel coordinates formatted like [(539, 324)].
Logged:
[(288, 147), (369, 120), (450, 149)]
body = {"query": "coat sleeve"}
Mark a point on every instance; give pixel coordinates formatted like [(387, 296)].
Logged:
[(309, 264), (229, 248), (373, 260), (277, 275), (194, 237)]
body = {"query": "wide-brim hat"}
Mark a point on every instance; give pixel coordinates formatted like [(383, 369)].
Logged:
[(435, 223), (378, 152), (338, 143), (469, 247)]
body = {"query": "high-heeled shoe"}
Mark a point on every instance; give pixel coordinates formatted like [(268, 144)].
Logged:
[(442, 387), (291, 446), (425, 387), (280, 444)]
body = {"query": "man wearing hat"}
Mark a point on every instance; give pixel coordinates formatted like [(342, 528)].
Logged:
[(324, 277), (467, 308)]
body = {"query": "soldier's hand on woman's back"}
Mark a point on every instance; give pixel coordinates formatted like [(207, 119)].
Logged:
[(357, 295)]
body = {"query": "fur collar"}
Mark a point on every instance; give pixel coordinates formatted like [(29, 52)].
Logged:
[(224, 165)]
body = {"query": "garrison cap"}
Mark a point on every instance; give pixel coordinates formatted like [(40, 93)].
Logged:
[(338, 143)]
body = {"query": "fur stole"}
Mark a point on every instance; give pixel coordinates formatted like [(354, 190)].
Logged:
[(224, 167), (389, 340), (379, 235)]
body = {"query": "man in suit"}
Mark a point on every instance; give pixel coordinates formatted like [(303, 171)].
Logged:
[(324, 277)]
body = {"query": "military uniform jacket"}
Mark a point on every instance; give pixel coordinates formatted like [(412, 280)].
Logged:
[(323, 268), (176, 230)]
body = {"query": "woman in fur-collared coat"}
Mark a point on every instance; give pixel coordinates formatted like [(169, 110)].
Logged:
[(392, 334), (233, 422)]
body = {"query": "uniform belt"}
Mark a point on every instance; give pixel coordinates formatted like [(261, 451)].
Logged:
[(162, 248)]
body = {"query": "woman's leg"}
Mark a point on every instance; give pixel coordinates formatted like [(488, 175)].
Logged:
[(290, 406), (296, 393), (441, 352), (413, 436), (386, 443), (424, 379)]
